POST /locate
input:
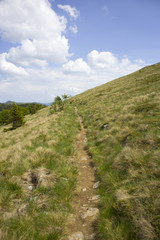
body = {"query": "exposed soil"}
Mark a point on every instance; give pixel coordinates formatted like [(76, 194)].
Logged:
[(85, 200)]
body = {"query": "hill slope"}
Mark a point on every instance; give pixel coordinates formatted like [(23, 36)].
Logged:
[(38, 176), (122, 119), (39, 170)]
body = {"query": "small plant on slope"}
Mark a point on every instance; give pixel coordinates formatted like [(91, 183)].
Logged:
[(58, 104)]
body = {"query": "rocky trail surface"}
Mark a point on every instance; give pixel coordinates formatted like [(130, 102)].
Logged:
[(85, 201)]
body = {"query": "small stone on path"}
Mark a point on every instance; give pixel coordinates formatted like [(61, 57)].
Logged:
[(76, 236), (84, 189), (85, 205), (30, 187), (90, 213), (96, 185), (95, 198), (90, 237)]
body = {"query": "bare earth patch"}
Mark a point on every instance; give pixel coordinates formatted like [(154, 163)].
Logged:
[(85, 201)]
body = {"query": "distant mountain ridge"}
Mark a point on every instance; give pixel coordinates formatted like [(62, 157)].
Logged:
[(47, 104), (9, 102)]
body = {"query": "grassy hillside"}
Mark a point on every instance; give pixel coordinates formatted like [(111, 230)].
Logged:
[(122, 119), (38, 176), (38, 170)]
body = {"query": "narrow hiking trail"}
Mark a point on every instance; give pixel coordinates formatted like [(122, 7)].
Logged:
[(85, 201)]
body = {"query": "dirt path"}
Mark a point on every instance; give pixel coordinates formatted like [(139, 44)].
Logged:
[(85, 201)]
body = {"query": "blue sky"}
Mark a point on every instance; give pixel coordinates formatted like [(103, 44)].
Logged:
[(124, 27), (48, 48)]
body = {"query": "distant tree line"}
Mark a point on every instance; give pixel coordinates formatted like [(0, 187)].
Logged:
[(15, 113), (8, 105)]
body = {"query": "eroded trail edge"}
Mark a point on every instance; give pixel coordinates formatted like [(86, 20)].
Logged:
[(85, 201)]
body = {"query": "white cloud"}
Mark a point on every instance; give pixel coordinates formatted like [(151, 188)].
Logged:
[(74, 29), (77, 66), (20, 20), (108, 64), (39, 31), (39, 51), (74, 90), (9, 68), (43, 84), (139, 61), (72, 11), (102, 60)]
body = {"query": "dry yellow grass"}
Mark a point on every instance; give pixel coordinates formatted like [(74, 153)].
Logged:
[(35, 163), (123, 123)]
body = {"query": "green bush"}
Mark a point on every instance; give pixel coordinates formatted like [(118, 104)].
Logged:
[(4, 117), (57, 105), (16, 116)]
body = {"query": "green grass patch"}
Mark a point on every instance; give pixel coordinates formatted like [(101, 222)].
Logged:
[(123, 125), (38, 182)]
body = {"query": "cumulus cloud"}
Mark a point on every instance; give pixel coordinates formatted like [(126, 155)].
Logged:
[(77, 66), (39, 32), (102, 60), (108, 63), (34, 19), (40, 51), (99, 68), (43, 84), (10, 68), (72, 11)]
